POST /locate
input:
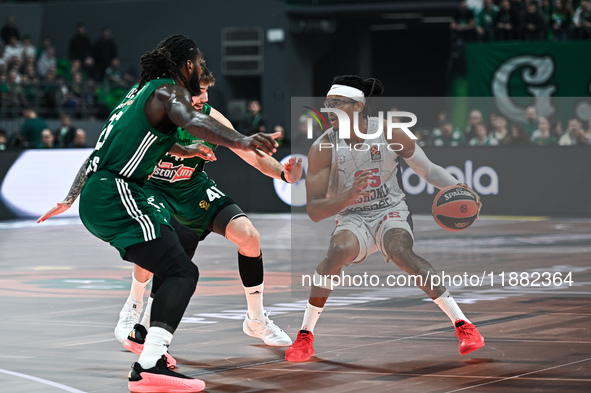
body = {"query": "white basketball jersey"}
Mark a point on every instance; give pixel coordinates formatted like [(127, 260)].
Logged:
[(374, 154)]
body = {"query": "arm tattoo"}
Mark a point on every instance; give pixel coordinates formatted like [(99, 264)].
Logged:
[(77, 185)]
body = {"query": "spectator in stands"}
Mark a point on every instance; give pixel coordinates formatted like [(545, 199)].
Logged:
[(463, 24), (544, 127), (78, 96), (3, 144), (281, 139), (17, 98), (30, 70), (64, 135), (531, 120), (500, 131), (422, 135), (492, 119), (574, 135), (483, 138), (253, 122), (10, 30), (46, 61), (533, 23), (14, 64), (443, 116), (560, 21), (12, 50), (104, 51), (29, 50), (79, 141), (75, 68), (506, 22), (80, 49), (485, 21), (556, 128), (582, 21), (542, 136), (299, 138), (518, 136), (45, 44), (50, 94), (447, 135), (47, 139), (474, 119), (32, 128), (114, 75)]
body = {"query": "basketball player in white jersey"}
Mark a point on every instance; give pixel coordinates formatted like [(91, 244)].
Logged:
[(362, 189)]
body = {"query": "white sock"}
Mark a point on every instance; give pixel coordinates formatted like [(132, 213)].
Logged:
[(254, 300), (147, 312), (137, 290), (449, 306), (156, 345), (311, 317)]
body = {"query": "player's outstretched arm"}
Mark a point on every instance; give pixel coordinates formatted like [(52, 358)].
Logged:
[(75, 190), (176, 101), (319, 206), (292, 171), (432, 173)]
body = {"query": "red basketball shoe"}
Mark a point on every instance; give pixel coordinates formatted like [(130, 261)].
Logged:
[(302, 348), (160, 379), (470, 338)]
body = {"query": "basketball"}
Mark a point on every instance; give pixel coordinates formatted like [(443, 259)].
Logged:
[(455, 208)]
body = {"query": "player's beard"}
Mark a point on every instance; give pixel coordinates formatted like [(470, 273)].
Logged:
[(193, 84)]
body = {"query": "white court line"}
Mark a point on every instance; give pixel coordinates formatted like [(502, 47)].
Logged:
[(41, 380), (522, 375)]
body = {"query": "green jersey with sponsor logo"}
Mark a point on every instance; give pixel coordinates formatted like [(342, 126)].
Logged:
[(128, 145), (175, 171)]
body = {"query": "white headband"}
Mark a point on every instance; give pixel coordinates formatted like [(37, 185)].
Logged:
[(346, 91)]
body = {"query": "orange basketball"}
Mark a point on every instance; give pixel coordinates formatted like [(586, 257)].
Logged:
[(455, 208)]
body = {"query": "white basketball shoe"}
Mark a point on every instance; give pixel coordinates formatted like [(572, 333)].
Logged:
[(264, 328)]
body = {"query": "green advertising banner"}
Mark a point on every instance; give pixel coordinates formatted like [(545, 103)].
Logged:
[(522, 74), (526, 69)]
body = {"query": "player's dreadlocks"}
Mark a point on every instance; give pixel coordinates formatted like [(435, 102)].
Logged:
[(167, 59)]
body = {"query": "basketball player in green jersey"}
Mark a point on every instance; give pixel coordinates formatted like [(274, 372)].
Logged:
[(114, 207), (181, 187)]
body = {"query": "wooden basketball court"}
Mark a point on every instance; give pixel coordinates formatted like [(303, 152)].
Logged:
[(61, 291)]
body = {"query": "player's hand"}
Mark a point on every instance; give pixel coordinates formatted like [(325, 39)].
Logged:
[(293, 170), (464, 185), (198, 149), (358, 188), (260, 140), (54, 211)]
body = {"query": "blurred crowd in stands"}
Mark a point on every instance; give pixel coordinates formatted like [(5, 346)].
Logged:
[(83, 85), (478, 130), (530, 20), (515, 20), (496, 130), (35, 134)]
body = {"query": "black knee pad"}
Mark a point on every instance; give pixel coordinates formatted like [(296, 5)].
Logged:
[(188, 238), (182, 267), (164, 256)]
